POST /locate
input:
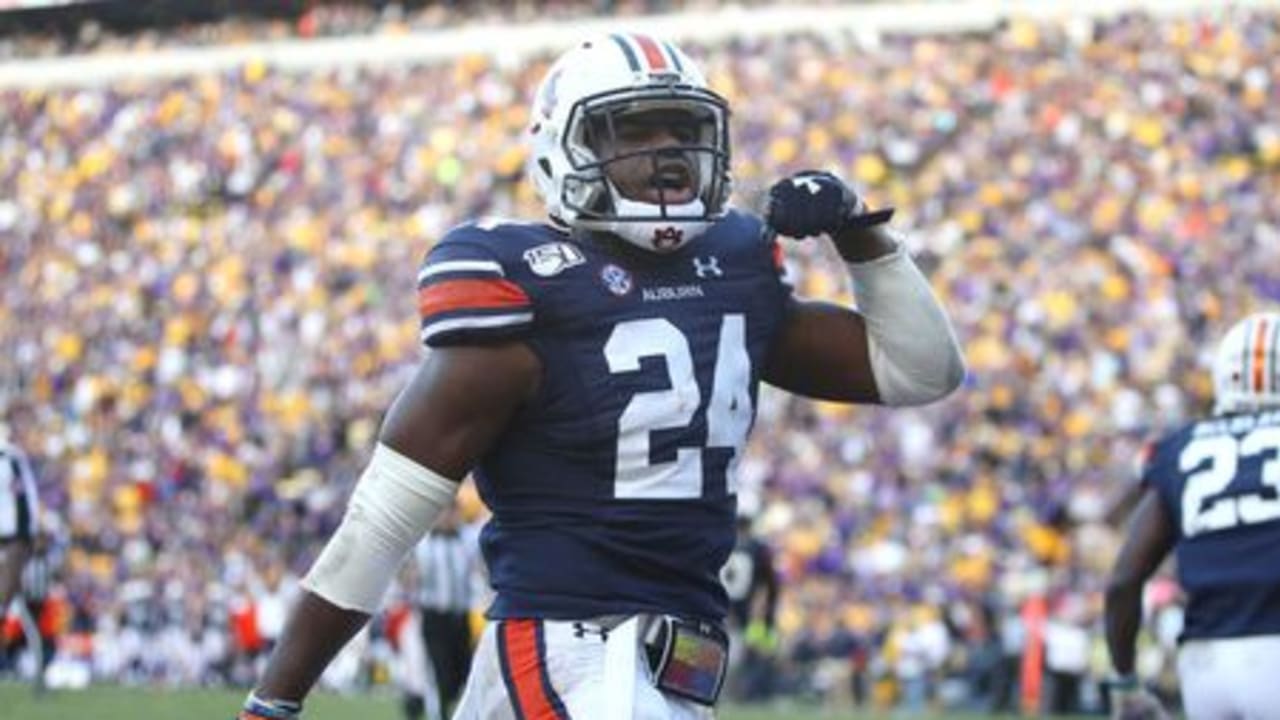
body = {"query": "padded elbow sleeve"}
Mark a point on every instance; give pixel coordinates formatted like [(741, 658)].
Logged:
[(914, 353), (394, 503)]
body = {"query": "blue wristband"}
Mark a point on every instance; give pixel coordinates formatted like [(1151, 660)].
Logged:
[(256, 708), (1123, 683)]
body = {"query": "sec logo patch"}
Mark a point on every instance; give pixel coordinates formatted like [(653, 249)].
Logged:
[(617, 280)]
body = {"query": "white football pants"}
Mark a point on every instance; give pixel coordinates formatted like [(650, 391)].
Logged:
[(556, 670), (1231, 678)]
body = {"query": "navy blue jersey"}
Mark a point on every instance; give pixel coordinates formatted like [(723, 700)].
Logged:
[(613, 491), (1219, 480)]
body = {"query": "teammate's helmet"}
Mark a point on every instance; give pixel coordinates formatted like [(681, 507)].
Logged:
[(1246, 370), (584, 92)]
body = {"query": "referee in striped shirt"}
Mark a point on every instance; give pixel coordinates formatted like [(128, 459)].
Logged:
[(447, 559), (19, 517)]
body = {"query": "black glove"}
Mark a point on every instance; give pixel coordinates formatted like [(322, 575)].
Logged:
[(813, 202)]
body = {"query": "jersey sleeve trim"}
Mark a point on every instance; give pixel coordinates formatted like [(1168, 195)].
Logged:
[(435, 332), (450, 267), (465, 299), (1144, 464), (470, 294)]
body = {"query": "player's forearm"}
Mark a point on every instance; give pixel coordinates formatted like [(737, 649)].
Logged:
[(857, 245), (914, 354), (393, 504), (315, 632), (1123, 618)]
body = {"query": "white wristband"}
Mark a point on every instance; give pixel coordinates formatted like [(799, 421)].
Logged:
[(914, 354), (394, 503)]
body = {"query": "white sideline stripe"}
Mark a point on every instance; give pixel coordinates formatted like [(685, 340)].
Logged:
[(488, 321), (450, 266)]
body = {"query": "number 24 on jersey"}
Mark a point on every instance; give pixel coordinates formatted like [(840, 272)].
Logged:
[(729, 412)]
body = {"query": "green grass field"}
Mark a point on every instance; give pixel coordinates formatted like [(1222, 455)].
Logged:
[(115, 703)]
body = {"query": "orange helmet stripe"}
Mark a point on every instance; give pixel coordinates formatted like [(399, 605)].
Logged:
[(652, 53), (1260, 357), (1271, 358)]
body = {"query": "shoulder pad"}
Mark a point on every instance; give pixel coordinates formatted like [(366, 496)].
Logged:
[(466, 293)]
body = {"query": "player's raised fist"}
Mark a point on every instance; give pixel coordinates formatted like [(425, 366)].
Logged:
[(814, 202)]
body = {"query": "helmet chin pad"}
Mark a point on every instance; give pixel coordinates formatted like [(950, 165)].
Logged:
[(656, 228)]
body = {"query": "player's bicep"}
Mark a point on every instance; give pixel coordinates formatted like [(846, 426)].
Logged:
[(822, 352), (1124, 500), (459, 401), (1150, 537)]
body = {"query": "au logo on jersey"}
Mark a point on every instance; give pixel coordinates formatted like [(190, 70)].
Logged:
[(616, 279), (553, 258)]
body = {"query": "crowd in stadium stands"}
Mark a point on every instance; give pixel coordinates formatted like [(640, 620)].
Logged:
[(208, 298)]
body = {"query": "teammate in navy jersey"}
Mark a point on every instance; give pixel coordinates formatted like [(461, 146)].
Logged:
[(751, 583), (598, 373), (1211, 494)]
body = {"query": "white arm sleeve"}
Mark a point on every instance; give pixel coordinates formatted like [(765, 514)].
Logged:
[(395, 502), (914, 353)]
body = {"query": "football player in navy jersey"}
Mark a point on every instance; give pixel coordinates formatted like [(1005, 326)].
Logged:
[(597, 373), (751, 584), (1211, 494)]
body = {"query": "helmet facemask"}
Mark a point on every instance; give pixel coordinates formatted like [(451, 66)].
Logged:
[(650, 165)]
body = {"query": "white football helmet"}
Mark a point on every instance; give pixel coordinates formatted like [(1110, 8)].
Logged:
[(582, 94), (1246, 369)]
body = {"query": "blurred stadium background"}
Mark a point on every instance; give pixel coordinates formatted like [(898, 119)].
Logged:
[(211, 213)]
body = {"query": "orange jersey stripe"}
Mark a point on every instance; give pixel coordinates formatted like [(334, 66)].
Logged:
[(1260, 357), (470, 295), (525, 666), (652, 53)]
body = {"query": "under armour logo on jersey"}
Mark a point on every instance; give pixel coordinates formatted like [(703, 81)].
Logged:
[(707, 268), (808, 183), (581, 630)]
